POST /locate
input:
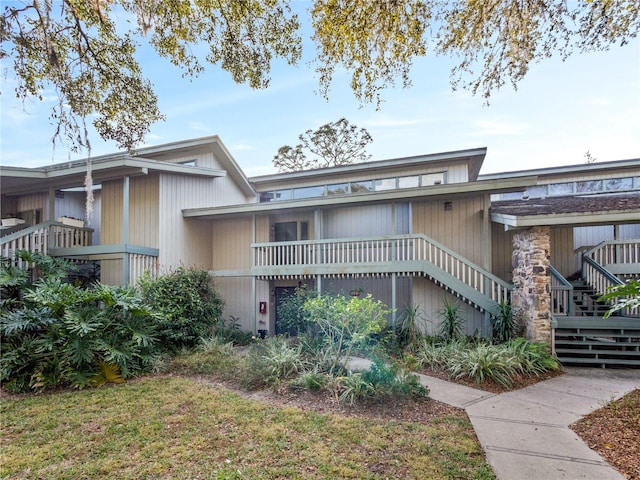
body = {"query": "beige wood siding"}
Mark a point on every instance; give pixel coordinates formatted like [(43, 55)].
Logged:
[(363, 221), (430, 298), (561, 255), (27, 203), (111, 217), (231, 241), (143, 211), (263, 228), (462, 228), (183, 241), (237, 295), (502, 249), (111, 271)]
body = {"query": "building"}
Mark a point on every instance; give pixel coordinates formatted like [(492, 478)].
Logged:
[(410, 231)]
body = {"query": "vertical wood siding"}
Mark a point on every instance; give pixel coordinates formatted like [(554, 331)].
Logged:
[(460, 228), (365, 221), (111, 217), (501, 250), (231, 243), (562, 256), (144, 215), (430, 299), (238, 302), (183, 241)]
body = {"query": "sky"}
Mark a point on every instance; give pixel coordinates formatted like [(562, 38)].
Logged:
[(561, 110)]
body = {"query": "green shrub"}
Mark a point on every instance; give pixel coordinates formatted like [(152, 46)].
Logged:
[(408, 330), (452, 322), (484, 361), (59, 334), (189, 307), (504, 323), (312, 380), (532, 358), (272, 361), (343, 325), (291, 317), (389, 378)]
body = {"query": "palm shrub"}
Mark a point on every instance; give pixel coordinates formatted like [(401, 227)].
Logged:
[(408, 331), (61, 334), (504, 323), (452, 322), (189, 307)]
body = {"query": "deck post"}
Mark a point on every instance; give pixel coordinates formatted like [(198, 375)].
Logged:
[(125, 229)]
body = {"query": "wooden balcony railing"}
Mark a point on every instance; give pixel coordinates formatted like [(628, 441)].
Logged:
[(413, 254), (43, 237), (561, 294)]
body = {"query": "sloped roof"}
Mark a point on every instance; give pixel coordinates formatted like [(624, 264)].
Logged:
[(566, 210)]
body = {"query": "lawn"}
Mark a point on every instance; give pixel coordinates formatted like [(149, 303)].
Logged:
[(174, 427)]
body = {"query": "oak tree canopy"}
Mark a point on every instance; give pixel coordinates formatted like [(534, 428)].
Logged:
[(85, 49)]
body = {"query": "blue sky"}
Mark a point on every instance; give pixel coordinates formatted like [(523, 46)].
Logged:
[(559, 111)]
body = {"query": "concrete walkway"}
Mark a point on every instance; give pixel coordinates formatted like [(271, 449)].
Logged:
[(525, 433)]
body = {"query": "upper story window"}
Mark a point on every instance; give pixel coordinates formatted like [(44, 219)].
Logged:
[(578, 187), (409, 182), (359, 186)]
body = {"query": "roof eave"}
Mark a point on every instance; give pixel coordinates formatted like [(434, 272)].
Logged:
[(445, 190), (559, 219)]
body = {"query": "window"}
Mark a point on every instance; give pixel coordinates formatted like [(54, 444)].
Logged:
[(385, 184), (283, 195), (308, 192), (408, 182), (432, 179), (589, 186), (358, 187), (619, 183), (561, 188), (338, 189)]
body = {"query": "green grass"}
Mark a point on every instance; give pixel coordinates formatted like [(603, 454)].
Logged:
[(171, 427)]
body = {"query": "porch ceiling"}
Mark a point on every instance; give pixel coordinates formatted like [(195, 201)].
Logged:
[(596, 209)]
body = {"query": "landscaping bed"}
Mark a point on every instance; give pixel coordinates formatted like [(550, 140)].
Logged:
[(614, 432)]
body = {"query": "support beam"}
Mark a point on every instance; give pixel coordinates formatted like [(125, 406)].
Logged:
[(125, 229)]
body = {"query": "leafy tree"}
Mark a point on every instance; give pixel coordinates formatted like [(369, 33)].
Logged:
[(335, 143), (623, 297), (81, 49), (496, 40)]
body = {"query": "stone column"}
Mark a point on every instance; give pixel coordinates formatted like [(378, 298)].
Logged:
[(531, 296)]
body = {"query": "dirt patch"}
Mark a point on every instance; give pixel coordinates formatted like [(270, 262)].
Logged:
[(614, 432), (421, 410)]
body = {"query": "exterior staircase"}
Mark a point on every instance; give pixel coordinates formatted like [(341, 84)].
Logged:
[(581, 334)]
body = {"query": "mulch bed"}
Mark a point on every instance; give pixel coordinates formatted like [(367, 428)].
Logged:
[(614, 432)]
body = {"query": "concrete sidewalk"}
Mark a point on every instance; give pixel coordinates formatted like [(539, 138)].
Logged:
[(526, 434)]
